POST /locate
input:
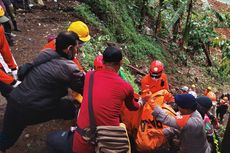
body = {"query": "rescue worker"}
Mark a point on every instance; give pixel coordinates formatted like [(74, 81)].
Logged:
[(106, 106), (156, 79), (41, 95), (7, 27), (82, 30), (98, 63), (190, 124), (210, 94), (7, 82)]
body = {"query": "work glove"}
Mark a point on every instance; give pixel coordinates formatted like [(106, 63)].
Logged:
[(141, 101), (16, 84), (15, 74)]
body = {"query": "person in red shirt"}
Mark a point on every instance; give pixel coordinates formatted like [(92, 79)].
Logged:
[(109, 93), (156, 79), (7, 82)]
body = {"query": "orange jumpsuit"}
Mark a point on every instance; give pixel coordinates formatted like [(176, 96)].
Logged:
[(7, 56), (51, 45), (210, 95), (154, 85)]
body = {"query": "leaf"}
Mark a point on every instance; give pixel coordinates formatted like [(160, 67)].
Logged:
[(177, 15)]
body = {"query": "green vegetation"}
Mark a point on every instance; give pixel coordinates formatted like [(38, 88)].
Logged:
[(120, 20), (184, 30)]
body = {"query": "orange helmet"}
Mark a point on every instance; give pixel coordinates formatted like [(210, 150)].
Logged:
[(156, 67), (98, 63)]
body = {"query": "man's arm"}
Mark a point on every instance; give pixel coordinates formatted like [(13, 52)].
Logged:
[(77, 81), (130, 103), (162, 116), (5, 50)]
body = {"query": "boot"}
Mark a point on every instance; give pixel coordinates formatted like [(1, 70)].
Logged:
[(15, 26)]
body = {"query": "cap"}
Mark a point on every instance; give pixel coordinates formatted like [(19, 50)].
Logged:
[(112, 54), (186, 101), (184, 88), (204, 101)]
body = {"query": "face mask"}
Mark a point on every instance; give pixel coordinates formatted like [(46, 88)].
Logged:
[(71, 53), (155, 76)]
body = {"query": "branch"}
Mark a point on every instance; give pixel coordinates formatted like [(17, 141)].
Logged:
[(136, 69)]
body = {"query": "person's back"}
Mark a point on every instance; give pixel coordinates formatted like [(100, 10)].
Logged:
[(47, 82), (193, 137), (109, 92)]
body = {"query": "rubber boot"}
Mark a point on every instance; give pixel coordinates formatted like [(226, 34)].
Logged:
[(15, 26)]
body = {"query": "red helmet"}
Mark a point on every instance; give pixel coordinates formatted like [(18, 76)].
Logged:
[(98, 62), (156, 67)]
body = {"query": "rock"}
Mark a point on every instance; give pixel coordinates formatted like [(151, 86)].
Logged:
[(27, 136)]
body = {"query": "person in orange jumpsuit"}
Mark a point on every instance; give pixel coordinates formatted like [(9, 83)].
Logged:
[(210, 94), (82, 30), (7, 82), (156, 79)]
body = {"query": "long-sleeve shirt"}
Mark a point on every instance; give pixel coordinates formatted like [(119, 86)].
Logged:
[(7, 56), (192, 131), (109, 93)]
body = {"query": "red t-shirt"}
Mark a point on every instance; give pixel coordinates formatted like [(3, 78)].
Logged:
[(109, 93)]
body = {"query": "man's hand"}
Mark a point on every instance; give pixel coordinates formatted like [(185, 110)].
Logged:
[(141, 101), (146, 94)]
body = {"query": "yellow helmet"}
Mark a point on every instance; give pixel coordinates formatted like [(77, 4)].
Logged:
[(1, 11), (81, 29), (193, 86), (209, 88)]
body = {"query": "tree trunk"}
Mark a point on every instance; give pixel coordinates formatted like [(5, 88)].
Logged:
[(158, 21), (226, 140), (187, 25), (143, 13), (206, 51), (176, 26)]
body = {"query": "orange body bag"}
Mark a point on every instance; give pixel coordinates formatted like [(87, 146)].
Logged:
[(147, 131)]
